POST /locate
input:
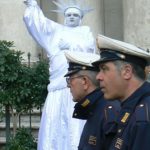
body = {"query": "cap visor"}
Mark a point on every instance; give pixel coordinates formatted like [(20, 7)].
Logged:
[(69, 73)]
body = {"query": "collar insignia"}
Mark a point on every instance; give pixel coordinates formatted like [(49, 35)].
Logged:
[(125, 117), (85, 103)]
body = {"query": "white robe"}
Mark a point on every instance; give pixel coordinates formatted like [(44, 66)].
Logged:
[(58, 130)]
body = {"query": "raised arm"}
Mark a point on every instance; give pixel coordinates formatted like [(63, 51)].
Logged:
[(40, 27)]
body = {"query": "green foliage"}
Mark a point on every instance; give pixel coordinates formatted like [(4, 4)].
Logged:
[(34, 86), (40, 81), (21, 87), (10, 67), (23, 140)]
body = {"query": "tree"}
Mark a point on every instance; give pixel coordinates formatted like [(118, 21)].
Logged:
[(21, 87)]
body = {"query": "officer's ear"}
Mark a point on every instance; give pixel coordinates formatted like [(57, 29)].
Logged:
[(85, 82), (84, 79), (127, 71)]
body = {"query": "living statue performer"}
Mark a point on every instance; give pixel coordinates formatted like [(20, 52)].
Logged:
[(58, 130)]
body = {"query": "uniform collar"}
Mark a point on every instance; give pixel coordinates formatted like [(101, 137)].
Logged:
[(90, 98), (129, 105), (131, 101), (84, 109)]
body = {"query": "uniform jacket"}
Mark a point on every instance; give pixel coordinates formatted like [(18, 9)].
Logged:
[(97, 112), (133, 123)]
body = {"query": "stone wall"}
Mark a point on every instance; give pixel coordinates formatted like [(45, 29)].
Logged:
[(119, 19), (137, 22)]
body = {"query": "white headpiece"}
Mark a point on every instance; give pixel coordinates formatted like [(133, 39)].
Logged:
[(64, 5)]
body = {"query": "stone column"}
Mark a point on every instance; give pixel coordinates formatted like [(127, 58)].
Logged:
[(137, 22), (113, 18)]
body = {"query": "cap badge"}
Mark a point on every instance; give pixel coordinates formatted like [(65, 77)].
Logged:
[(83, 68), (121, 56)]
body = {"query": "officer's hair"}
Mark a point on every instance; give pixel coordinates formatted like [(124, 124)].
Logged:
[(137, 70), (91, 75)]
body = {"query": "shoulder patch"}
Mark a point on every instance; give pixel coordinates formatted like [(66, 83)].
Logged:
[(142, 113), (92, 140)]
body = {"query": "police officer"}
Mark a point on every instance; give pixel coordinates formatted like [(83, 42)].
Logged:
[(90, 106), (122, 77)]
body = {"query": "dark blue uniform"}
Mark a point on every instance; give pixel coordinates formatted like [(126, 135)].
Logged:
[(133, 131), (98, 113)]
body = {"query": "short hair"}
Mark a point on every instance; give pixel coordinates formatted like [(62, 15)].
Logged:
[(91, 75), (138, 71)]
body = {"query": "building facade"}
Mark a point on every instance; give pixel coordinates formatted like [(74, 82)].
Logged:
[(120, 19)]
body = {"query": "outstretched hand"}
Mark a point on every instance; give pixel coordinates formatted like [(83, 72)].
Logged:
[(29, 2), (26, 2), (63, 45)]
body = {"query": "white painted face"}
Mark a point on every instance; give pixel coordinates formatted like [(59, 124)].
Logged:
[(72, 17)]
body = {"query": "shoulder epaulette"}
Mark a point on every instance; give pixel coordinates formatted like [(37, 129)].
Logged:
[(110, 113), (142, 112)]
